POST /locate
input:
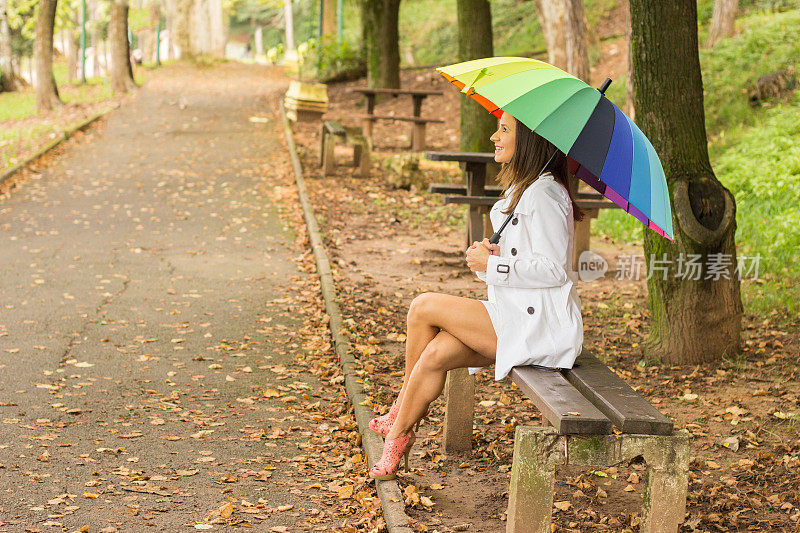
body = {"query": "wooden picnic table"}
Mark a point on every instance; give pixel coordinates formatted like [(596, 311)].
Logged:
[(417, 96), (474, 166), (418, 121), (481, 197)]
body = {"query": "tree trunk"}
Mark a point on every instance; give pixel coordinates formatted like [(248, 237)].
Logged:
[(723, 20), (46, 90), (179, 12), (630, 108), (328, 19), (218, 28), (692, 321), (71, 50), (577, 49), (289, 22), (121, 72), (552, 15), (383, 47), (7, 80), (149, 52), (200, 30), (475, 42)]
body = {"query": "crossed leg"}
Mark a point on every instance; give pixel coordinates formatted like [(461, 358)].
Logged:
[(444, 332)]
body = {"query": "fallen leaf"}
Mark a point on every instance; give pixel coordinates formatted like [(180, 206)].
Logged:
[(562, 506), (346, 492)]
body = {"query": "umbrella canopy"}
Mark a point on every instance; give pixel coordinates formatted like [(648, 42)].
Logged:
[(612, 154)]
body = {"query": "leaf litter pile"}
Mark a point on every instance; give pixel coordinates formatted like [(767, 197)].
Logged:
[(387, 245)]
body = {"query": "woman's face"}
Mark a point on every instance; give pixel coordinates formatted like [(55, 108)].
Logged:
[(504, 138)]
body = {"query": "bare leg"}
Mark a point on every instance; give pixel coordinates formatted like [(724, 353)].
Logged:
[(465, 338), (430, 312)]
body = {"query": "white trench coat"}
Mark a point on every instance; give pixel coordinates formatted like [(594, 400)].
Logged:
[(533, 300)]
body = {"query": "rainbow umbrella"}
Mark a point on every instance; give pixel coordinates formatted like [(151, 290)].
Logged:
[(610, 152)]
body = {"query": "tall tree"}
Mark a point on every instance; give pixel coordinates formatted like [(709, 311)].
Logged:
[(723, 20), (380, 24), (692, 320), (552, 15), (328, 18), (46, 90), (121, 72), (289, 23), (178, 16), (474, 42), (7, 80), (576, 48)]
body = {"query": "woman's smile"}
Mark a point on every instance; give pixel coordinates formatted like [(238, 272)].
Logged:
[(504, 138)]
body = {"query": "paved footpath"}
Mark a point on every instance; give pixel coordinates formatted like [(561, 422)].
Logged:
[(146, 281)]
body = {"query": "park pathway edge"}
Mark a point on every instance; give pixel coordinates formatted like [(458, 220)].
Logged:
[(388, 491), (6, 177)]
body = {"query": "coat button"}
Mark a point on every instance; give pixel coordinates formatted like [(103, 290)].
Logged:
[(515, 221), (513, 251), (530, 310)]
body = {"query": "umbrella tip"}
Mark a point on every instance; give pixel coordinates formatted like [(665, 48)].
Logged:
[(605, 85)]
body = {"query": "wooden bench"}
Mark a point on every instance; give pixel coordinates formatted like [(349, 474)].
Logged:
[(582, 405), (419, 122), (331, 133)]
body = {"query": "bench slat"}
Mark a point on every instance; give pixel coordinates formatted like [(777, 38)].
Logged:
[(454, 188), (471, 200), (596, 204), (418, 120), (416, 92), (629, 411), (559, 402), (334, 127)]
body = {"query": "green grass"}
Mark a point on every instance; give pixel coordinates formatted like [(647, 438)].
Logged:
[(767, 42), (17, 140)]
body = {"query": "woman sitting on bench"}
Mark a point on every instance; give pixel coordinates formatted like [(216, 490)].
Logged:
[(532, 316)]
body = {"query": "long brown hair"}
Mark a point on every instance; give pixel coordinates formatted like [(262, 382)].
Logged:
[(531, 153)]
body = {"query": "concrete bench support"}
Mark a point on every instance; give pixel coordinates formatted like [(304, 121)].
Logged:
[(331, 133), (537, 450), (459, 411)]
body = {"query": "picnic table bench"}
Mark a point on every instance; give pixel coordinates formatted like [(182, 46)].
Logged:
[(419, 122), (332, 132), (480, 197), (582, 405)]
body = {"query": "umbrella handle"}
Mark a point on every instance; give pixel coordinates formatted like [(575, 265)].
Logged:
[(496, 236)]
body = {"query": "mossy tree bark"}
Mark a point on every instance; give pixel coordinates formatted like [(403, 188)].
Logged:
[(121, 71), (692, 320), (46, 90), (475, 42), (329, 19), (380, 19)]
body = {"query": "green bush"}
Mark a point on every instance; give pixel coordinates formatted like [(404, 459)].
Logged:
[(336, 58)]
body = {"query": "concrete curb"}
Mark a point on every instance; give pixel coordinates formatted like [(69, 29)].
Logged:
[(388, 491), (6, 182)]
